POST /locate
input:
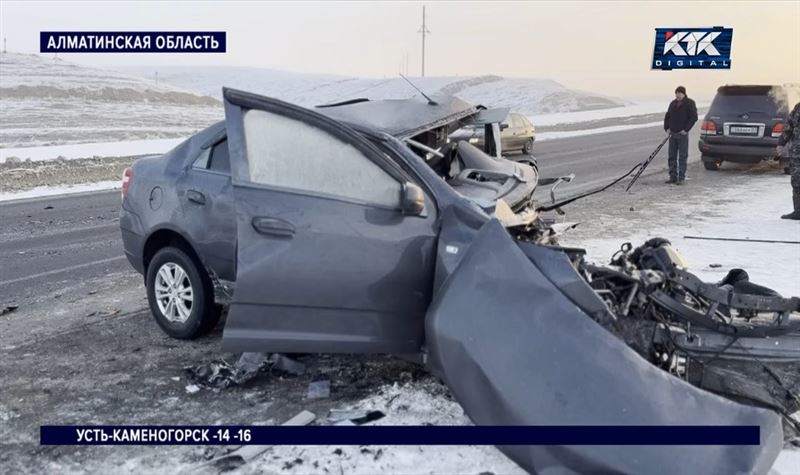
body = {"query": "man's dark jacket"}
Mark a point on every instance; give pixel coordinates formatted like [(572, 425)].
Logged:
[(681, 115)]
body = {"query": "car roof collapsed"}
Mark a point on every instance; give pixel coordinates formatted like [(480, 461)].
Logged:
[(402, 118)]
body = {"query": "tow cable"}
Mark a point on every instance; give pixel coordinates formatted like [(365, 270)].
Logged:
[(638, 169)]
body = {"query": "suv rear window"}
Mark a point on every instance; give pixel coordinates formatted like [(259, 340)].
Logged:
[(764, 101)]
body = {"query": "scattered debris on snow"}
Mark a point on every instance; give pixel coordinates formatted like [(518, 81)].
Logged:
[(219, 374), (249, 364), (285, 364), (353, 416), (8, 309), (319, 389), (247, 453), (425, 402)]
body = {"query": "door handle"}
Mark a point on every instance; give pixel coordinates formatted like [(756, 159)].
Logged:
[(196, 197), (273, 226)]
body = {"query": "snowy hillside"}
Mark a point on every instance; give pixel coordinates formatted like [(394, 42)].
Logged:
[(529, 96), (50, 101), (46, 100)]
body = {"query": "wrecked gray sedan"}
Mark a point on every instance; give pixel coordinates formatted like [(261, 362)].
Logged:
[(357, 228)]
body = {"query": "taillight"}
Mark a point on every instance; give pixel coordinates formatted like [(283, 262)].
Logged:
[(777, 129), (708, 128), (127, 178)]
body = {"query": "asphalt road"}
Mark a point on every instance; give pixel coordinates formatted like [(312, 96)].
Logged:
[(596, 159), (52, 243)]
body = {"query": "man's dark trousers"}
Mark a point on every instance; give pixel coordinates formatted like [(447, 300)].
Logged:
[(678, 156)]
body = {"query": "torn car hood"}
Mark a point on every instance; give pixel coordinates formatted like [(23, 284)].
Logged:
[(511, 332)]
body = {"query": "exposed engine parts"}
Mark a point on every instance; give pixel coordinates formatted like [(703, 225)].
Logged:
[(734, 338)]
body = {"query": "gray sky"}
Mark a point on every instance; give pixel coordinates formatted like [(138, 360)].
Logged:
[(603, 47)]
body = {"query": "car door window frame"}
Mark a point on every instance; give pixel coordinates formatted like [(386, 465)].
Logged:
[(204, 159), (337, 130)]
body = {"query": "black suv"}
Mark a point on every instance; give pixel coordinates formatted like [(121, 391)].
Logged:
[(743, 125)]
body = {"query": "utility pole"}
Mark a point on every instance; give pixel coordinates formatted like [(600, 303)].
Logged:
[(424, 30), (4, 45)]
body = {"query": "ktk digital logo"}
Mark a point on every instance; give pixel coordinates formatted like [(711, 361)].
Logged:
[(693, 48)]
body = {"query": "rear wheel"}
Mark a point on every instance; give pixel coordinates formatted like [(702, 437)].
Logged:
[(712, 164), (528, 147), (180, 294)]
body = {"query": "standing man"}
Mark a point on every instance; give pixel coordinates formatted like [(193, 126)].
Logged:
[(678, 121), (790, 142)]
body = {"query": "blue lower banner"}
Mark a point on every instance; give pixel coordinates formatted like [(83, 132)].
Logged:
[(400, 435)]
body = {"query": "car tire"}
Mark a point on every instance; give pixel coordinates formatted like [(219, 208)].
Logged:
[(527, 149), (712, 165), (180, 294)]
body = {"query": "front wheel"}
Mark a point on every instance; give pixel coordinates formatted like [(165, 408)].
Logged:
[(528, 147), (712, 165), (180, 294)]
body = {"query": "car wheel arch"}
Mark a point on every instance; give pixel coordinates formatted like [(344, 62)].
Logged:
[(163, 237)]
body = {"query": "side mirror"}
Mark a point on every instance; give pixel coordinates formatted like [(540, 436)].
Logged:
[(503, 126), (412, 200)]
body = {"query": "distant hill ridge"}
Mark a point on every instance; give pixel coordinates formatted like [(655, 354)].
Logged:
[(36, 76), (47, 101), (526, 95)]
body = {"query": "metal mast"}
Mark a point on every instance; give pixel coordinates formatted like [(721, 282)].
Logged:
[(424, 30)]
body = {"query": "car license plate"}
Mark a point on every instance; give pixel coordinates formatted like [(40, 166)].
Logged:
[(737, 129)]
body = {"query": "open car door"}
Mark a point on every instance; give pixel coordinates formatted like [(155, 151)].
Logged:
[(512, 332), (335, 242)]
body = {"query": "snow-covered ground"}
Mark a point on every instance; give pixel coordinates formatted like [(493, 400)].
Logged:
[(46, 100), (408, 404), (55, 190), (747, 211), (628, 110), (417, 405), (129, 148)]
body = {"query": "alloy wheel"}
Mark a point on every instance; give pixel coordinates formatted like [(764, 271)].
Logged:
[(174, 294)]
